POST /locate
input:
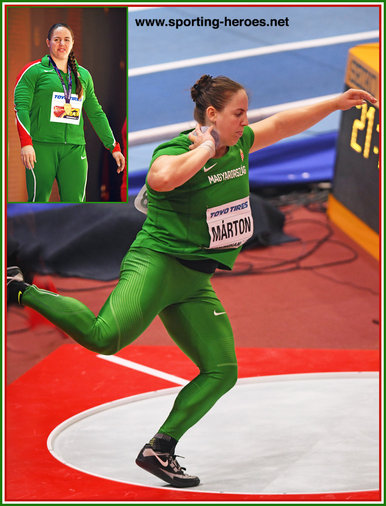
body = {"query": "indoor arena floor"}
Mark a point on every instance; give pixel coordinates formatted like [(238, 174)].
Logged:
[(302, 423)]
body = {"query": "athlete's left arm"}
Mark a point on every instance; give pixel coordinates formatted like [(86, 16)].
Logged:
[(101, 124), (293, 121)]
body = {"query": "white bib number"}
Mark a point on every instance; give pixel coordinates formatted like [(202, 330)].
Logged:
[(230, 225), (140, 201), (58, 113)]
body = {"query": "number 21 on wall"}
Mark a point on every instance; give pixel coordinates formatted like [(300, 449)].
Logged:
[(367, 118)]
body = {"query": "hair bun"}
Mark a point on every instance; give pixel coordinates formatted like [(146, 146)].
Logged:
[(202, 84)]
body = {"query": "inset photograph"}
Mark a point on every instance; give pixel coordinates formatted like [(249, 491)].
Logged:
[(66, 104)]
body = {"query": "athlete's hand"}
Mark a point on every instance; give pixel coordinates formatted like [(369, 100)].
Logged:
[(353, 97), (120, 161), (198, 137), (28, 157), (203, 140)]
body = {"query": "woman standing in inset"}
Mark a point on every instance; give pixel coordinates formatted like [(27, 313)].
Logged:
[(50, 95)]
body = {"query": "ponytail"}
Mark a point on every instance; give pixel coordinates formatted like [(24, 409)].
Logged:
[(74, 67)]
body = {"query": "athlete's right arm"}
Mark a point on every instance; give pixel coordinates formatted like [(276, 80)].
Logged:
[(170, 171), (24, 93), (28, 157)]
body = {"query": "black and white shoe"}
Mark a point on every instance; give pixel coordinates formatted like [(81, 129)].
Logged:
[(165, 467), (15, 284)]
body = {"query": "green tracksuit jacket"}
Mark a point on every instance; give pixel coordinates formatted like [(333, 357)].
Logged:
[(39, 112)]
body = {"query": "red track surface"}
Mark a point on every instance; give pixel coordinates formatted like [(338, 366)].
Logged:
[(71, 380), (299, 321)]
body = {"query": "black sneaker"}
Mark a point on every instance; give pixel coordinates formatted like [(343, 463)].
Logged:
[(15, 284), (166, 467)]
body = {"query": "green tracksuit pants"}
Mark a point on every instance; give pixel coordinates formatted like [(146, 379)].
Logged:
[(152, 284), (67, 163)]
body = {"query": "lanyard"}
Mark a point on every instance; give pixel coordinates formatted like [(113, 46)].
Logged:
[(67, 92)]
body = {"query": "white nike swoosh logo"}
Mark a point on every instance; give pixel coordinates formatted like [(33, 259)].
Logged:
[(208, 168), (48, 70), (218, 314), (151, 452), (83, 157)]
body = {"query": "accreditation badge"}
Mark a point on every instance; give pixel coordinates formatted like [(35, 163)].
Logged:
[(230, 225), (64, 112)]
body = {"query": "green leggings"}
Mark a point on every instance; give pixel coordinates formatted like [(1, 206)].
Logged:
[(67, 163), (152, 284)]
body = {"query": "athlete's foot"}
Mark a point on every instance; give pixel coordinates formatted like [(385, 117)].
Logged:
[(15, 285), (165, 467)]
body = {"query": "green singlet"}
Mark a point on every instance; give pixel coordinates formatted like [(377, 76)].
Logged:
[(177, 221), (153, 281)]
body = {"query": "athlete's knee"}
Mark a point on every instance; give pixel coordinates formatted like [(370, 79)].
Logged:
[(230, 377), (226, 377), (104, 341), (105, 346), (106, 349)]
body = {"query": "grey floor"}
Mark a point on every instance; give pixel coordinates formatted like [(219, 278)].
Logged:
[(308, 433)]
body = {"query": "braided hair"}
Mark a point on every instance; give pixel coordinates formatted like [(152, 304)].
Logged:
[(74, 67), (212, 91), (73, 64)]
